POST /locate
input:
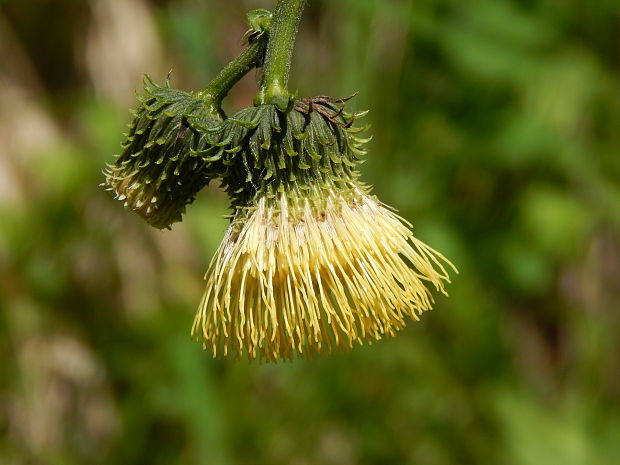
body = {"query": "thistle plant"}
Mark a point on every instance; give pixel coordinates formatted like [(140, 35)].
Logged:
[(311, 261)]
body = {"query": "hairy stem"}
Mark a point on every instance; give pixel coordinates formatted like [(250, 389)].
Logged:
[(273, 87), (219, 87)]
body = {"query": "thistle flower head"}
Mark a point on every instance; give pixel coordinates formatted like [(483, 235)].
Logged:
[(158, 172), (311, 261)]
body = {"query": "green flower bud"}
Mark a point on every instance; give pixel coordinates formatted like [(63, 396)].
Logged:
[(158, 172), (259, 21)]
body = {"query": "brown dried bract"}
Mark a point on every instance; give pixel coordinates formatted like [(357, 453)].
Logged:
[(321, 104)]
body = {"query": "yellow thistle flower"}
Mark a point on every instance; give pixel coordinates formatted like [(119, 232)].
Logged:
[(305, 275), (310, 265)]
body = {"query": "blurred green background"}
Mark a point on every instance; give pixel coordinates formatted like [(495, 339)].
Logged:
[(497, 133)]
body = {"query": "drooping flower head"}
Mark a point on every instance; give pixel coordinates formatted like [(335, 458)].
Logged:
[(158, 173), (312, 261)]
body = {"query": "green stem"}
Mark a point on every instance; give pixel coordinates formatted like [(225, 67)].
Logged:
[(273, 87), (219, 87)]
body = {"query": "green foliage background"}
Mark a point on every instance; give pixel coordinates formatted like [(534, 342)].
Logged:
[(497, 133)]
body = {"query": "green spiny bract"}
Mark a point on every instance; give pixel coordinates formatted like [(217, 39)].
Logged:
[(158, 172), (259, 21), (262, 151)]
